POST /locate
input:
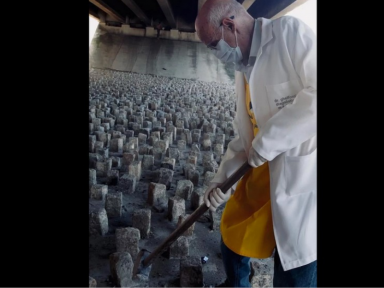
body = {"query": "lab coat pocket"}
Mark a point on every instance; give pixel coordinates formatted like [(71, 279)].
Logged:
[(279, 95), (301, 173)]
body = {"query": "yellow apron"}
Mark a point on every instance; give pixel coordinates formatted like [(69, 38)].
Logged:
[(246, 223)]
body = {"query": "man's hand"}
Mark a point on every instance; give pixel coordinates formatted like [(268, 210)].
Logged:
[(254, 158), (214, 197)]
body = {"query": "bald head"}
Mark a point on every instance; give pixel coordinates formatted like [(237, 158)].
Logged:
[(211, 15), (227, 19)]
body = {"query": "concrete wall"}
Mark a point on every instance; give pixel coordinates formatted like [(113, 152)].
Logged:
[(163, 57)]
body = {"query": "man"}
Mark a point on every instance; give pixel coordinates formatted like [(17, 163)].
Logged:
[(273, 207)]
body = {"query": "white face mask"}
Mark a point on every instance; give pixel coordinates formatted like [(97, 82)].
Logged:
[(226, 53)]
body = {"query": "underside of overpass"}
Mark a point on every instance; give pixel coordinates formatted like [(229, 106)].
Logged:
[(158, 37), (172, 17)]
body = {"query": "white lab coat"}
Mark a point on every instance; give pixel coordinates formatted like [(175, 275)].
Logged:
[(283, 86)]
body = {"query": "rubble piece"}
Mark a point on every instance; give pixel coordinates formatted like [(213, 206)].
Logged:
[(191, 272), (179, 249), (100, 168), (108, 164), (156, 134), (127, 240), (92, 177), (144, 149), (173, 153), (116, 134), (121, 268), (145, 130), (160, 129), (195, 137), (176, 207), (192, 160), (165, 176), (195, 148), (92, 142), (113, 204), (98, 145), (187, 136), (105, 126), (207, 157), (135, 169), (261, 280), (215, 221), (218, 149), (116, 162), (136, 127), (116, 145), (208, 176), (180, 123), (168, 163), (156, 194), (113, 177), (141, 220), (147, 162), (193, 175), (189, 231), (159, 148), (127, 183), (209, 127), (207, 143), (262, 266), (129, 133), (133, 143), (184, 189), (211, 166), (188, 167), (102, 136), (220, 139), (101, 150), (98, 222), (153, 140), (142, 138), (181, 145), (98, 191), (169, 136), (197, 198), (179, 132)]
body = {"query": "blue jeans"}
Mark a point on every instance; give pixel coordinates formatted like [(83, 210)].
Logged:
[(238, 268), (303, 276)]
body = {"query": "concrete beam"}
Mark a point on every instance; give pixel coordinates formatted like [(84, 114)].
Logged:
[(107, 9), (295, 4), (138, 12), (168, 12), (247, 3)]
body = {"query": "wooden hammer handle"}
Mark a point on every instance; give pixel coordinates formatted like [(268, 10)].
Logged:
[(227, 184)]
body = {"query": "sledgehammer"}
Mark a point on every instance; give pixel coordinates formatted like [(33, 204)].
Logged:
[(144, 259)]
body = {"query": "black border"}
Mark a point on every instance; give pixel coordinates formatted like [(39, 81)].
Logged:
[(44, 234), (44, 213)]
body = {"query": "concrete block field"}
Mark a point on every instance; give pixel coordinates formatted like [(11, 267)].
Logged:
[(154, 145)]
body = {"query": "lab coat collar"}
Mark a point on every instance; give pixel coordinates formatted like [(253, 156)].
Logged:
[(255, 44), (266, 33)]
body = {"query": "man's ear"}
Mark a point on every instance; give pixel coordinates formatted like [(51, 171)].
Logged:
[(228, 23)]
